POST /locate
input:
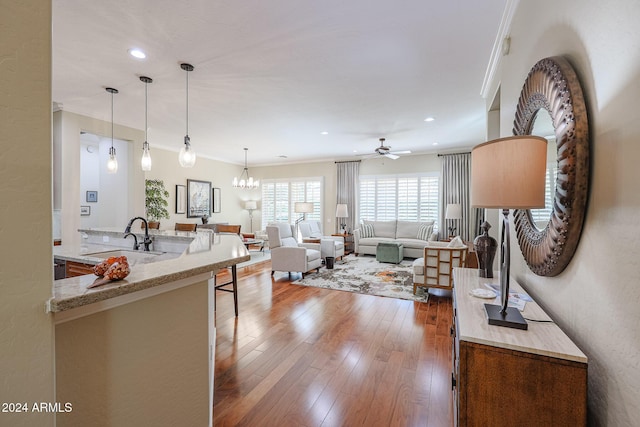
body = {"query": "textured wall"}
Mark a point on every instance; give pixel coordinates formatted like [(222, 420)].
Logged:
[(144, 363), (26, 331), (595, 300)]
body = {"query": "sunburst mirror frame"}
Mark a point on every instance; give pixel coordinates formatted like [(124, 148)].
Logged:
[(552, 85)]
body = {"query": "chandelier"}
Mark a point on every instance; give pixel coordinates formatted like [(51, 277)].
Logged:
[(245, 181)]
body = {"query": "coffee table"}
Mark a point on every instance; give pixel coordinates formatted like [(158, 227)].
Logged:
[(254, 242)]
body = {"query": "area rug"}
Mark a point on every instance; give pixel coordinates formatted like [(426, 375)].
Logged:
[(365, 275), (256, 257)]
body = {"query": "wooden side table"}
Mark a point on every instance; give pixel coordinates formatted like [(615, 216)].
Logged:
[(348, 242), (310, 240)]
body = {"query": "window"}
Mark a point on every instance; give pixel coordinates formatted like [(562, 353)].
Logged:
[(402, 197), (280, 196)]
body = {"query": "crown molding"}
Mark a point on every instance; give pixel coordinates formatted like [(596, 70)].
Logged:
[(497, 51)]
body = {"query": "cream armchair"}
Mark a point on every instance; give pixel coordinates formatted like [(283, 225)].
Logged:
[(287, 255), (332, 246)]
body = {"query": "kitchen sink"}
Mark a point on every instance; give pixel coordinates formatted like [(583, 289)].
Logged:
[(134, 257)]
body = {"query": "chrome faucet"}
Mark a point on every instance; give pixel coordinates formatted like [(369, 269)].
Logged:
[(136, 246), (147, 240)]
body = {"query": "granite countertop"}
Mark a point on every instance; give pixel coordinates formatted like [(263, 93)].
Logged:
[(205, 252)]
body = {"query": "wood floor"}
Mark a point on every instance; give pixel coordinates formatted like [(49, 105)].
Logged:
[(302, 356)]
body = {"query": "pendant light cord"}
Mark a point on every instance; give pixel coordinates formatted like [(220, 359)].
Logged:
[(146, 126), (111, 120), (187, 102)]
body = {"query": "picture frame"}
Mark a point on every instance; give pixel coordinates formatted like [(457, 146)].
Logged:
[(92, 197), (198, 198), (85, 210), (216, 200), (181, 199)]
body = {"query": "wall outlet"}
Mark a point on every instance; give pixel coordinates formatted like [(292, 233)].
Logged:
[(105, 239)]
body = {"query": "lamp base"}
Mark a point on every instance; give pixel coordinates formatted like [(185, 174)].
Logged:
[(512, 318)]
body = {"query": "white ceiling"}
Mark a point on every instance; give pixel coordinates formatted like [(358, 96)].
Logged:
[(272, 75)]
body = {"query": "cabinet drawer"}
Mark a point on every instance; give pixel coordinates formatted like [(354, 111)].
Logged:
[(78, 269)]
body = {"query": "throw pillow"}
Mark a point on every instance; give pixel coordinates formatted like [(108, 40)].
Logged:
[(456, 242), (425, 231), (367, 230)]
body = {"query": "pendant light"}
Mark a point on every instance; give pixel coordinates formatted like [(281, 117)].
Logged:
[(187, 157), (245, 181), (112, 163), (145, 162)]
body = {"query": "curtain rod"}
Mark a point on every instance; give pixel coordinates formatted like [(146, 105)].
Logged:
[(453, 154), (348, 161)]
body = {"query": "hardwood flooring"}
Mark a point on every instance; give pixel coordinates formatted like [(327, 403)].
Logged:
[(302, 356)]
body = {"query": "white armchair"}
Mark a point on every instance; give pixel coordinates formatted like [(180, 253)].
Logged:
[(332, 246), (287, 255)]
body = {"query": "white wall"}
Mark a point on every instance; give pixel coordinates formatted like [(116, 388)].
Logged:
[(26, 273), (112, 206), (595, 300), (67, 194), (166, 168)]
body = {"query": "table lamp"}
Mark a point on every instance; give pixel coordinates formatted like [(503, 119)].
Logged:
[(342, 212), (454, 213), (508, 173)]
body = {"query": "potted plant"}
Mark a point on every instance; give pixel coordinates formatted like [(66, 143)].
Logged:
[(156, 201)]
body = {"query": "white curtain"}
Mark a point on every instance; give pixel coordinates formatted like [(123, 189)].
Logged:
[(348, 174), (455, 187)]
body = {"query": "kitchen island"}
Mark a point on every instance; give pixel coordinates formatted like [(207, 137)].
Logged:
[(139, 351)]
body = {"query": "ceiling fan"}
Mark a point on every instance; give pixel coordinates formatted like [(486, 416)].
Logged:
[(385, 150)]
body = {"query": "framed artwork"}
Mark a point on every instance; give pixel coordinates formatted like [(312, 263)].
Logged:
[(181, 199), (216, 200), (92, 196), (85, 210), (198, 198)]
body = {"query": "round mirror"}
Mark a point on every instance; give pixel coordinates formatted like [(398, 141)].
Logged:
[(543, 126), (552, 88)]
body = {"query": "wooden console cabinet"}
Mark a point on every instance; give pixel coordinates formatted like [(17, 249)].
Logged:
[(510, 377)]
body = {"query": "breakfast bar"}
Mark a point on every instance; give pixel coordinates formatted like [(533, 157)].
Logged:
[(153, 330)]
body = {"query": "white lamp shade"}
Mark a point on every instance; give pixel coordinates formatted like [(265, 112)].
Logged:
[(341, 211), (250, 205), (303, 207), (509, 173), (454, 211)]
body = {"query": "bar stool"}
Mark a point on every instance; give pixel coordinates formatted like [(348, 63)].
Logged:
[(182, 226), (234, 290)]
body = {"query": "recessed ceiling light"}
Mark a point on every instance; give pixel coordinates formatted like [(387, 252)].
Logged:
[(435, 143), (324, 133), (137, 53), (429, 119)]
